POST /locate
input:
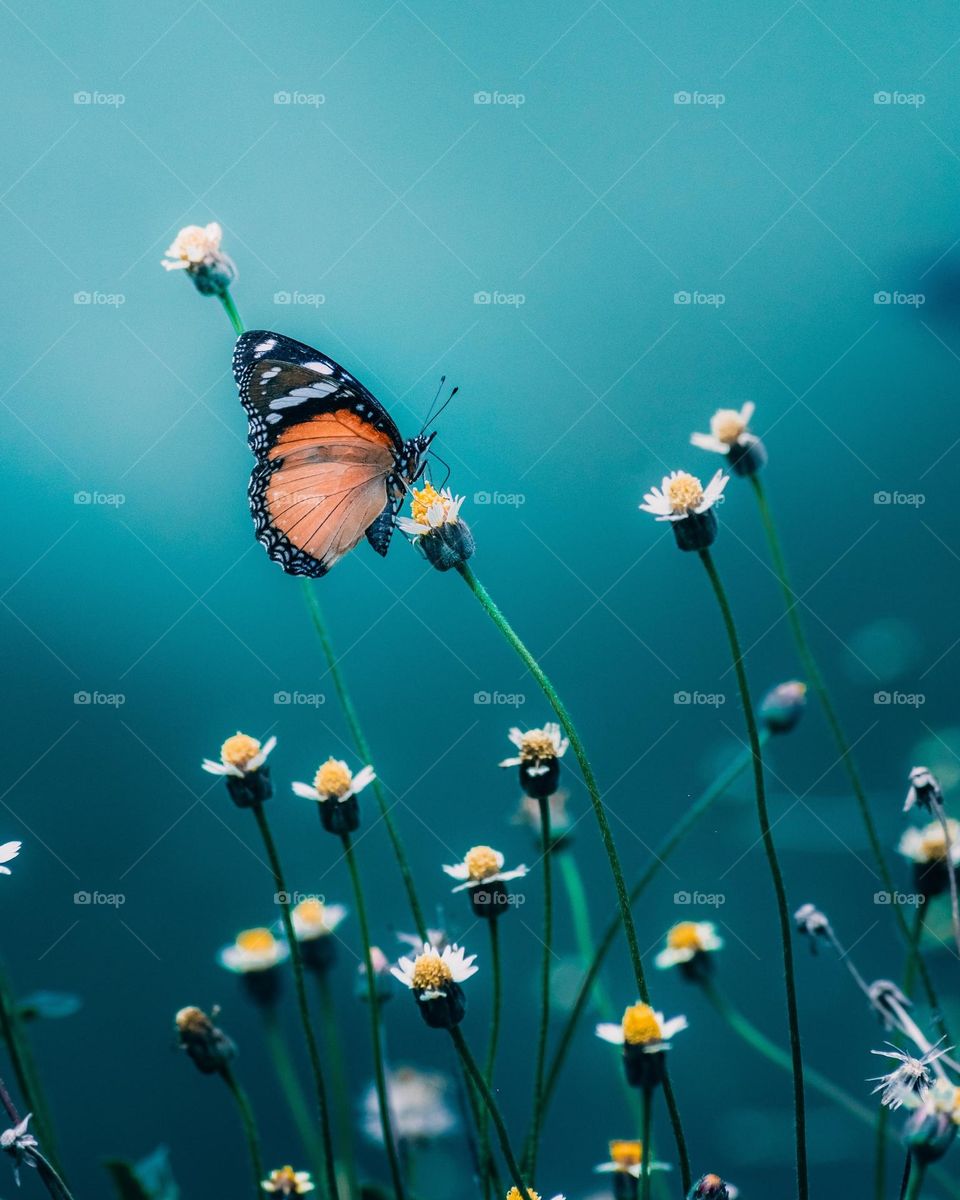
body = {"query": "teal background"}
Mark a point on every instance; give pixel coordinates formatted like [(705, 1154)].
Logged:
[(397, 199)]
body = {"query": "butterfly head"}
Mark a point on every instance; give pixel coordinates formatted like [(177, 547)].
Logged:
[(413, 457)]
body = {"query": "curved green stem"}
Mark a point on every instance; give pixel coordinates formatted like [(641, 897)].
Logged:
[(231, 310), (918, 1171), (341, 1090), (363, 750), (534, 1139), (496, 981), (678, 832), (373, 1003), (300, 987), (623, 900), (249, 1127), (647, 1107), (783, 911), (486, 1095), (816, 681)]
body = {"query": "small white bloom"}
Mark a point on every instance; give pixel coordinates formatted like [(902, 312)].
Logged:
[(924, 790), (643, 1027), (928, 845), (335, 781), (681, 495), (419, 1103), (686, 940), (482, 865), (538, 747), (430, 510), (19, 1144), (728, 427), (313, 919), (8, 852), (253, 950), (626, 1158), (194, 246), (239, 755), (431, 972), (910, 1076)]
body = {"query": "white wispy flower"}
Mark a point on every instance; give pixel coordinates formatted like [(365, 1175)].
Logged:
[(431, 971), (8, 852), (335, 781), (910, 1076), (314, 919), (924, 790), (686, 940), (681, 495), (728, 427), (239, 755), (482, 865)]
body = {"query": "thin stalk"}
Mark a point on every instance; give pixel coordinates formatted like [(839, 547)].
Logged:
[(951, 871), (329, 1162), (486, 1095), (645, 1144), (249, 1127), (45, 1169), (292, 1090), (341, 1091), (905, 1178), (373, 1004), (363, 750), (817, 682), (489, 1068), (24, 1068), (623, 900), (677, 833), (231, 310), (775, 874), (918, 1172), (547, 837)]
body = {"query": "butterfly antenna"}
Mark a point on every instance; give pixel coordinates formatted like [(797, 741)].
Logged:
[(435, 412), (443, 463)]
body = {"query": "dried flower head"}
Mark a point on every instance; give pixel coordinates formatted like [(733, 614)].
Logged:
[(20, 1146), (925, 791), (196, 250), (910, 1076), (208, 1047)]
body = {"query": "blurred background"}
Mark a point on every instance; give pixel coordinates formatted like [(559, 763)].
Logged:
[(602, 223)]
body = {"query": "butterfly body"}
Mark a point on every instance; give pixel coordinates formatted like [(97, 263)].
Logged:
[(331, 465)]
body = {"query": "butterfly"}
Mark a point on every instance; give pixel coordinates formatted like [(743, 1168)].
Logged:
[(331, 465)]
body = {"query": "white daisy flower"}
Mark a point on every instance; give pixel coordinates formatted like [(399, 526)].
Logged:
[(239, 756), (253, 950), (430, 510), (482, 865), (514, 1194), (910, 1076), (419, 1104), (335, 781), (288, 1182), (8, 852), (681, 495), (194, 246), (728, 427), (431, 972), (686, 940), (626, 1158), (928, 845), (314, 919), (538, 748), (642, 1027)]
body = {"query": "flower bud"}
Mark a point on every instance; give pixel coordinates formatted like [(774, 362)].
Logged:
[(207, 1045), (782, 707)]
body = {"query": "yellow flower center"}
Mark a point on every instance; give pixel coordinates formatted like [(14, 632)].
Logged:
[(712, 1181), (237, 751), (285, 1182), (514, 1194), (333, 779), (537, 746), (685, 936), (430, 973), (640, 1025), (310, 912), (684, 492), (192, 1020), (481, 862), (934, 844), (726, 425), (626, 1154), (256, 941), (423, 499)]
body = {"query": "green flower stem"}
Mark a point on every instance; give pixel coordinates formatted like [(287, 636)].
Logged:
[(496, 981), (816, 681), (530, 1158), (329, 1162), (373, 1003), (917, 1172), (623, 900), (24, 1068), (48, 1174), (231, 310), (486, 1095), (292, 1090), (341, 1090), (249, 1127), (775, 873), (679, 831), (951, 872), (645, 1144), (363, 750)]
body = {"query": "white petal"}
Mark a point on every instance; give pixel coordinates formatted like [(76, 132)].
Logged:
[(305, 790), (610, 1033), (707, 441), (674, 1025), (9, 850), (746, 413), (458, 871), (364, 777), (216, 768)]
